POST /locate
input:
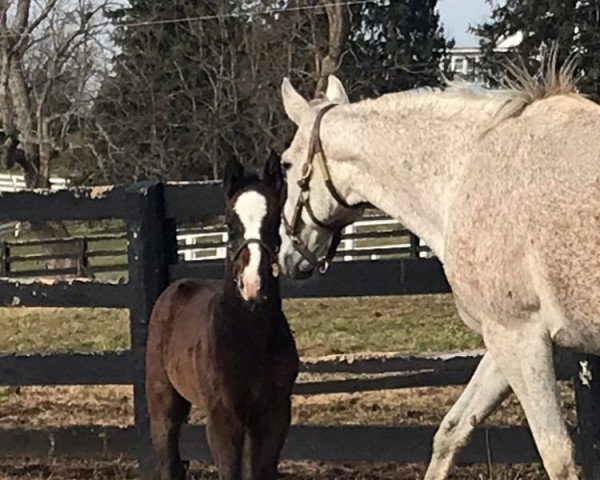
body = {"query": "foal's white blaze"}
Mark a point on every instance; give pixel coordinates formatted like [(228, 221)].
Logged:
[(251, 208)]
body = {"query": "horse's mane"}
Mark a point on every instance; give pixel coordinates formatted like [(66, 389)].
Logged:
[(523, 88), (519, 88)]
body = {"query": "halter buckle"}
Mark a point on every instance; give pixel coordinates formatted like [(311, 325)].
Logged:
[(324, 266), (307, 172)]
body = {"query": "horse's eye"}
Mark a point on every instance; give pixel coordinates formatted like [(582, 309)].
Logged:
[(286, 166)]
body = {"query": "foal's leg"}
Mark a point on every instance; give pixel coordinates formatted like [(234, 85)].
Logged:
[(167, 410), (523, 351), (225, 434), (484, 392), (265, 439)]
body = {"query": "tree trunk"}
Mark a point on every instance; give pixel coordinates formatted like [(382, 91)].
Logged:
[(337, 16)]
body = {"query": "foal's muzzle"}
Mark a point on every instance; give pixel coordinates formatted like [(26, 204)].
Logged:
[(251, 287)]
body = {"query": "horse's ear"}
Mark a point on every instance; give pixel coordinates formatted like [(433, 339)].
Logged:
[(294, 104), (233, 178), (335, 91), (273, 175)]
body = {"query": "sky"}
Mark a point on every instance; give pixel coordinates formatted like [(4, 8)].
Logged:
[(456, 15)]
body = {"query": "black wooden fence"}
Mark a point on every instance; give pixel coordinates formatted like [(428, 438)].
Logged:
[(152, 211), (92, 255)]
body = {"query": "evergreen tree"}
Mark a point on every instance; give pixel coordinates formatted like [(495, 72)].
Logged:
[(186, 95), (574, 25), (158, 107), (587, 41), (397, 45)]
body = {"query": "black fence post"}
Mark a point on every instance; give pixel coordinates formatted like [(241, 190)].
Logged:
[(4, 259), (82, 260), (413, 249), (587, 394), (147, 230)]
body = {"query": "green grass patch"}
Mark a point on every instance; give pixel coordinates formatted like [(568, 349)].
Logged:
[(45, 329), (420, 323), (424, 323)]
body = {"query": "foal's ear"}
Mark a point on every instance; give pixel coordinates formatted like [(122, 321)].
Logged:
[(273, 175), (233, 178)]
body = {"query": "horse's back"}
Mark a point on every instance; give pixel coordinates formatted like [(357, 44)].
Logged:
[(178, 297)]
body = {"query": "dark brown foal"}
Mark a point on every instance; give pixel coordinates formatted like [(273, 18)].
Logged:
[(226, 345)]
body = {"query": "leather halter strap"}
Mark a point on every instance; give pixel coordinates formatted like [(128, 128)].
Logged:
[(272, 255), (316, 153)]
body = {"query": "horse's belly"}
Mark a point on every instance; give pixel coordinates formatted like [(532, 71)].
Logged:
[(577, 323), (183, 374), (583, 337), (183, 362)]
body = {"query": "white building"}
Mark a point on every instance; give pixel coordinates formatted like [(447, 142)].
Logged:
[(464, 61)]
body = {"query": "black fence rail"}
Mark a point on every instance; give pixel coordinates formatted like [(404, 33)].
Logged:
[(91, 255), (152, 211), (79, 249)]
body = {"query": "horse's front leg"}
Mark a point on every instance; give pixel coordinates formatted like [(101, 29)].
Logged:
[(225, 434), (484, 392), (264, 440)]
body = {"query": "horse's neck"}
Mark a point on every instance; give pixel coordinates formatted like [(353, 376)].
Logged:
[(405, 159)]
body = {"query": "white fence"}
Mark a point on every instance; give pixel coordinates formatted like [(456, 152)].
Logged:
[(212, 244), (13, 183)]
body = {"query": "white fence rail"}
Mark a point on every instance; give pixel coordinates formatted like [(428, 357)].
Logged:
[(13, 183), (352, 246)]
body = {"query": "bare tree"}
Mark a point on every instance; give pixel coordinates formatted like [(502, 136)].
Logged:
[(48, 73)]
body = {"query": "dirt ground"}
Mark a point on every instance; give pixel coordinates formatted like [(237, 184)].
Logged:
[(425, 323), (112, 405), (23, 469)]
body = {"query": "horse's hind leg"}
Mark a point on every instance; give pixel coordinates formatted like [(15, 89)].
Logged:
[(167, 410), (484, 392), (523, 352)]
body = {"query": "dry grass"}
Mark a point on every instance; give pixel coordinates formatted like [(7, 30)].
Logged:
[(113, 405)]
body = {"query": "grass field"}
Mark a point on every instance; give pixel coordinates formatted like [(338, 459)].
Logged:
[(421, 323), (321, 326)]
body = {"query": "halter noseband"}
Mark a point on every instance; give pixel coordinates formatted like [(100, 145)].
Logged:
[(270, 253), (315, 151)]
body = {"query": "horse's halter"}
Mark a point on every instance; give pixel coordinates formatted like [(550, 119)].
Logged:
[(272, 255), (315, 151)]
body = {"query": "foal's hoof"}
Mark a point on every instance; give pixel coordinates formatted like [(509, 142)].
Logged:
[(181, 470)]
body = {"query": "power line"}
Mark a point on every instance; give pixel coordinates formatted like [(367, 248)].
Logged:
[(203, 18), (266, 11)]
